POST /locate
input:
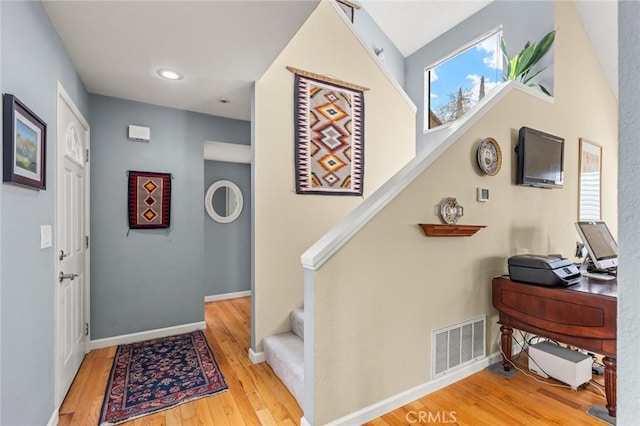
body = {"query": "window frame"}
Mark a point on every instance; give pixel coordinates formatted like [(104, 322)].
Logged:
[(427, 73)]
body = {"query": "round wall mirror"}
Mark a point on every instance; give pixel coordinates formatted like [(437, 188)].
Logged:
[(223, 201)]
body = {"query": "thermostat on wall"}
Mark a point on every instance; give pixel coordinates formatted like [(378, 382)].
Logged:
[(139, 133), (483, 194)]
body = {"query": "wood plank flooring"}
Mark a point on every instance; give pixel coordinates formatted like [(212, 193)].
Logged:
[(257, 397), (488, 399)]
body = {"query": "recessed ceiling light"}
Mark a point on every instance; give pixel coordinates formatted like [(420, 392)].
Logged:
[(169, 74)]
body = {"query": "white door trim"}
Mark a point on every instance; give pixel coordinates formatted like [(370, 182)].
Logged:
[(61, 94)]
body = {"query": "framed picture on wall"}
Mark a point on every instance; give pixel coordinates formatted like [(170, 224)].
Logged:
[(590, 181), (24, 145)]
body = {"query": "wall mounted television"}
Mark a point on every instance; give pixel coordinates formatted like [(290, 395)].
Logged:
[(540, 159)]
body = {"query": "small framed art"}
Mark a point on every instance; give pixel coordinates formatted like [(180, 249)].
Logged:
[(24, 145), (590, 181)]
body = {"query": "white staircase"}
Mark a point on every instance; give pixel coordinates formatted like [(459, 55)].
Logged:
[(285, 354)]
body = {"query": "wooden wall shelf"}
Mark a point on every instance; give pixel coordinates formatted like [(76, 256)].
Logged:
[(441, 230)]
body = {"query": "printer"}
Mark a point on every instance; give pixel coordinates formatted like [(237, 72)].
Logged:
[(543, 270)]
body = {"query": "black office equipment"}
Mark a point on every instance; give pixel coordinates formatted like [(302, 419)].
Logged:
[(602, 258), (543, 270)]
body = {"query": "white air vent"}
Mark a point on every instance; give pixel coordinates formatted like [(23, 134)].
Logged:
[(457, 345)]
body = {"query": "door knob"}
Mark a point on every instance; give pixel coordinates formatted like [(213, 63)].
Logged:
[(64, 276)]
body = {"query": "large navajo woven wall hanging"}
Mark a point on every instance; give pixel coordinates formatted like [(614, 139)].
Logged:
[(149, 200), (329, 135)]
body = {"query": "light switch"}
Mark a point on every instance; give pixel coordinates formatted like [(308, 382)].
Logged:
[(482, 194), (45, 236)]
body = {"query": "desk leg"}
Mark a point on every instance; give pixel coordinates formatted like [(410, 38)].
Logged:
[(610, 378), (505, 341)]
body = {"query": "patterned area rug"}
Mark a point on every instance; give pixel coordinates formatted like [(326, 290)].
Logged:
[(154, 375)]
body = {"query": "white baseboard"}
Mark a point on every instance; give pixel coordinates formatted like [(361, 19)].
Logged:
[(53, 420), (146, 335), (380, 408), (225, 296), (256, 357)]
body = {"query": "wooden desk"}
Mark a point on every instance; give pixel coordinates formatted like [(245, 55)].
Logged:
[(583, 315)]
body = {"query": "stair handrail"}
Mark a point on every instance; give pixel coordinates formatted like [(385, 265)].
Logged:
[(327, 245)]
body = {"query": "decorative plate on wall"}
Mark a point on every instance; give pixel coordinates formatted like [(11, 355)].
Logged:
[(489, 156), (451, 211)]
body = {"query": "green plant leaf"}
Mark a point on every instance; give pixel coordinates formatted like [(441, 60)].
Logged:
[(513, 65), (503, 47), (528, 79), (519, 67), (526, 60), (544, 89), (543, 47), (507, 59)]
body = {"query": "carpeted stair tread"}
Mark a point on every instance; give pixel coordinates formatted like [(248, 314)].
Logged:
[(297, 323), (285, 354)]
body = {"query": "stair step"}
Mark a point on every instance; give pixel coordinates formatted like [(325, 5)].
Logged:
[(297, 323), (285, 354)]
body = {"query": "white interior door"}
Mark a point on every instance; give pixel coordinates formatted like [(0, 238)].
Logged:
[(72, 251)]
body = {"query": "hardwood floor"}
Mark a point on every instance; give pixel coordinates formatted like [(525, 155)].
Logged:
[(257, 397), (488, 399)]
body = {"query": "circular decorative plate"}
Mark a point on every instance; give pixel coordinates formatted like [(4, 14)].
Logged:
[(489, 156), (451, 211)]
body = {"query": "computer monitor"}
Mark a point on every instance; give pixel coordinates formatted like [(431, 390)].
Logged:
[(600, 244)]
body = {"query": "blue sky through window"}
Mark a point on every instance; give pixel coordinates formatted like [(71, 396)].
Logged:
[(465, 71)]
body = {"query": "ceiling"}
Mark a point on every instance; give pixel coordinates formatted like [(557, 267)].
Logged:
[(222, 47), (600, 19), (412, 24)]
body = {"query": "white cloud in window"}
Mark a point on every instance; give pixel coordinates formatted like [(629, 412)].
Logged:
[(432, 75), (493, 59), (475, 89), (433, 95)]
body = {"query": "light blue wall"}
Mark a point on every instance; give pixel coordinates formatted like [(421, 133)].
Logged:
[(33, 59), (521, 21), (629, 219), (373, 36), (227, 246), (152, 278)]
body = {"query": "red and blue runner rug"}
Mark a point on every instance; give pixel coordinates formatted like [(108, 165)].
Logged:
[(154, 375)]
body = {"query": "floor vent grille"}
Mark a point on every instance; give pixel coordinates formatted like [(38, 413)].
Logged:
[(457, 345)]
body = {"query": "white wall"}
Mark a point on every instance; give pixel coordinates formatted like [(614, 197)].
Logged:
[(378, 299), (629, 243), (286, 224), (374, 38)]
